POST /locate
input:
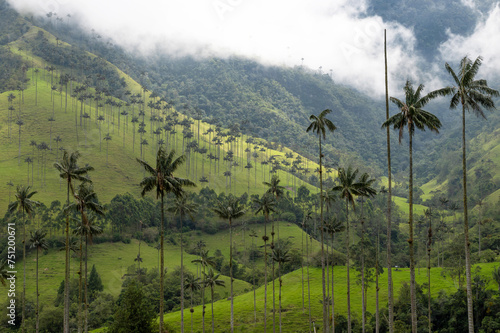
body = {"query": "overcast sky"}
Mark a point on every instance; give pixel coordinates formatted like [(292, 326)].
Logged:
[(335, 35)]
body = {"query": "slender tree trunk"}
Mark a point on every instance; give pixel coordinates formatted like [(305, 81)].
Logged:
[(363, 294), (23, 323), (308, 284), (279, 297), (162, 262), (203, 301), (377, 289), (273, 277), (213, 319), (231, 272), (349, 327), (333, 290), (325, 301), (302, 269), (265, 274), (182, 280), (253, 287), (37, 296), (390, 293), (470, 312), (66, 273), (80, 292), (192, 310), (429, 243), (413, 297), (85, 296)]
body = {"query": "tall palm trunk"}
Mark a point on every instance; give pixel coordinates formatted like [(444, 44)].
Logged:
[(85, 295), (413, 297), (265, 274), (279, 297), (390, 294), (231, 272), (470, 312), (192, 310), (80, 292), (273, 277), (182, 280), (162, 262), (37, 296), (308, 285), (66, 273), (203, 300), (377, 289), (323, 281), (429, 243), (213, 319), (363, 292), (302, 269), (23, 323), (333, 290), (349, 327)]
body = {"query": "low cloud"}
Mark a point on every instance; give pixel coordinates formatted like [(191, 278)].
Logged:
[(482, 42), (334, 36)]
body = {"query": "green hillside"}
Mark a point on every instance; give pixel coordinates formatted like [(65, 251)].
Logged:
[(121, 173)]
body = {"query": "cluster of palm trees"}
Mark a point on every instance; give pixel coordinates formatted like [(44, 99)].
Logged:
[(85, 204), (473, 95)]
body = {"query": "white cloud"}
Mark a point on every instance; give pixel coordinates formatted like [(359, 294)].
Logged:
[(336, 35), (482, 42)]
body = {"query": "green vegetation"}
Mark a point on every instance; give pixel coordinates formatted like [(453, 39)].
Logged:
[(94, 131)]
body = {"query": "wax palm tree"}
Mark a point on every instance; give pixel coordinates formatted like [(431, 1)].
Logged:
[(107, 137), (29, 161), (265, 205), (474, 95), (390, 292), (367, 190), (332, 227), (162, 178), (38, 242), (349, 187), (281, 256), (192, 284), (230, 209), (274, 188), (413, 116), (86, 201), (429, 214), (24, 205), (254, 235), (69, 170), (212, 280), (320, 125), (182, 207), (205, 261)]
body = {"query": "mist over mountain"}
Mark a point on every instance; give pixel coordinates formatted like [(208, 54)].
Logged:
[(341, 37)]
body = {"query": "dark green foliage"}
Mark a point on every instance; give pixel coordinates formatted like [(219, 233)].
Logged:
[(124, 209), (11, 73), (51, 320), (11, 28), (101, 311), (73, 57), (95, 282), (133, 311)]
